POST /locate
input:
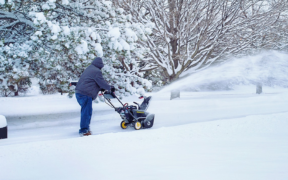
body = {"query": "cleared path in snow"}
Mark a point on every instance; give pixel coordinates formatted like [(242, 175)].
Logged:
[(192, 107)]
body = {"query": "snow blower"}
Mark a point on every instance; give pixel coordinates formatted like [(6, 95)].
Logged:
[(132, 115)]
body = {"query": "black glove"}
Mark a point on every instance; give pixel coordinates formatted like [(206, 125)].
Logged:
[(102, 90), (113, 94), (112, 89)]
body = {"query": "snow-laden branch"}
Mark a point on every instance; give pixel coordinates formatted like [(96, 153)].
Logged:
[(192, 34), (15, 27)]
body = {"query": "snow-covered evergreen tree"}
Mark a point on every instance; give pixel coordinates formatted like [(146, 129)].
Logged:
[(14, 69), (70, 34), (15, 30)]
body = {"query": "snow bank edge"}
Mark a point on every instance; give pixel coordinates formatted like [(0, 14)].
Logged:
[(3, 122)]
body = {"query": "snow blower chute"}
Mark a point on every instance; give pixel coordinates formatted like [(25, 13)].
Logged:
[(132, 115)]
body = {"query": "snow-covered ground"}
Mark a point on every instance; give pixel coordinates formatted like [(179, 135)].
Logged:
[(204, 135)]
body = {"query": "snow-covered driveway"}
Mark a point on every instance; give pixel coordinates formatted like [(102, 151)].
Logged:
[(247, 148), (57, 117), (203, 135)]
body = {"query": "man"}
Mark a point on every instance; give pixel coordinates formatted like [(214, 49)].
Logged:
[(87, 89)]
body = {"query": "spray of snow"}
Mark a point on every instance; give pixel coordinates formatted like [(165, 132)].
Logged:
[(269, 69)]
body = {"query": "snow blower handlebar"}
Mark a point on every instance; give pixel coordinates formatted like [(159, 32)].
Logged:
[(108, 95)]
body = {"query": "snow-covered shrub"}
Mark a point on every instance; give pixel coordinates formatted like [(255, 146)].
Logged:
[(15, 65), (14, 69), (68, 35), (69, 40), (156, 77)]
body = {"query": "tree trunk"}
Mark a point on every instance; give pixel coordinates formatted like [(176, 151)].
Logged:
[(174, 22)]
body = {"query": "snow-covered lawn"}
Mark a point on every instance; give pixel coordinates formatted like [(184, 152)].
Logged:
[(224, 135)]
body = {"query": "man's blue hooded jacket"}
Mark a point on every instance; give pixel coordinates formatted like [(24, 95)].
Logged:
[(91, 80)]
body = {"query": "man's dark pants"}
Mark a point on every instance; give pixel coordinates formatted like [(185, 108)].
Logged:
[(86, 112)]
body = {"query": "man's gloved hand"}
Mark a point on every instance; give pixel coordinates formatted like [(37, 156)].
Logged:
[(102, 90), (112, 89), (113, 94)]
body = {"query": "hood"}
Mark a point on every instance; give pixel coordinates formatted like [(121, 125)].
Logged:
[(98, 62)]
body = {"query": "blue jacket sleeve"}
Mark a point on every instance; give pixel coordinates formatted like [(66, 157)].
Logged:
[(101, 82)]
